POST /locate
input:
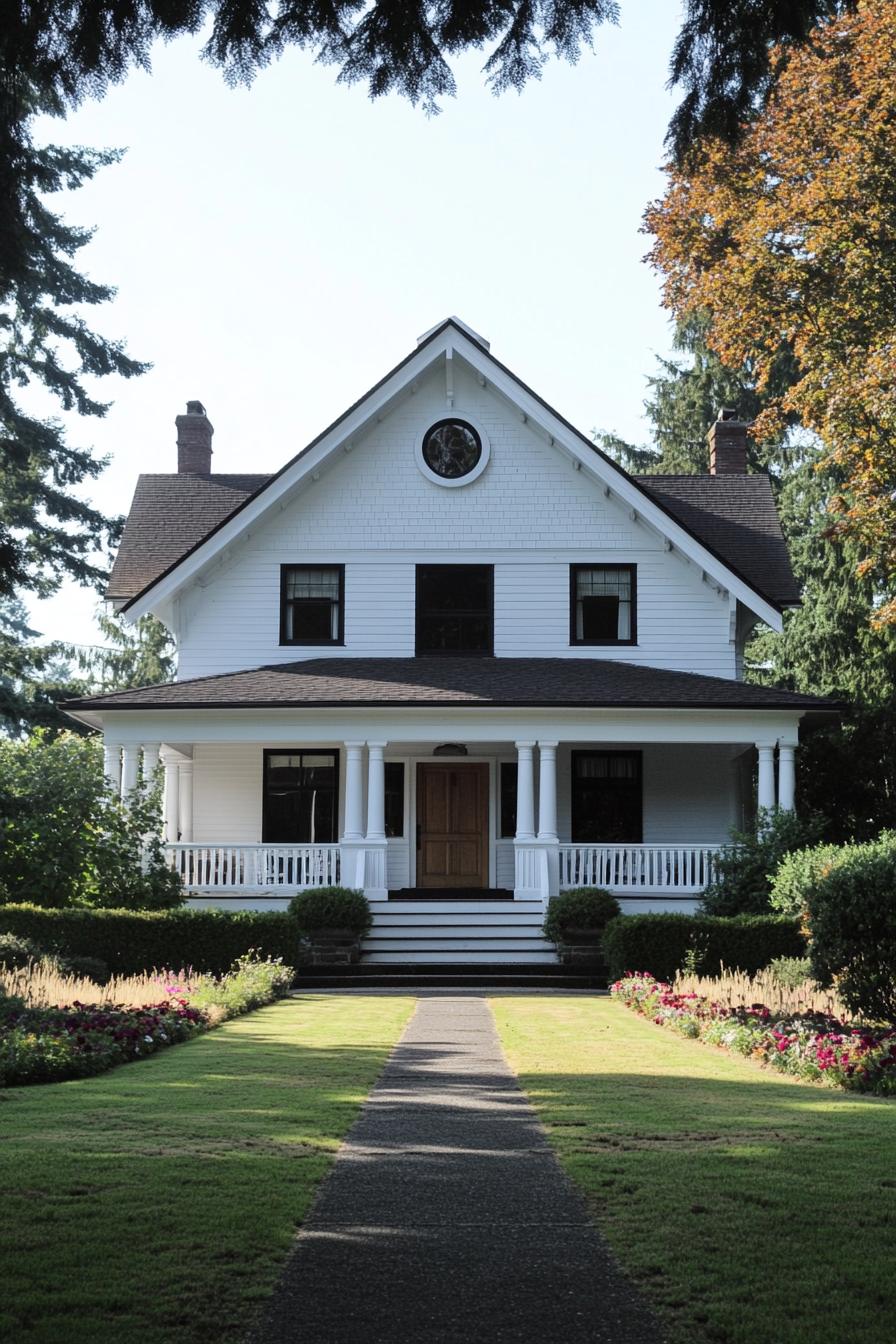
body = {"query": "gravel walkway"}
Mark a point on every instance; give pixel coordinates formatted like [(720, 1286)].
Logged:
[(446, 1217)]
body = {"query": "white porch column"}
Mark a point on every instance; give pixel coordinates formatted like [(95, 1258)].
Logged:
[(150, 760), (786, 777), (766, 792), (375, 887), (547, 790), (130, 771), (525, 800), (185, 800), (352, 851), (172, 801), (112, 765), (376, 792), (354, 792)]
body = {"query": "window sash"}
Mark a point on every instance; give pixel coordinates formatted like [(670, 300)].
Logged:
[(507, 799), (301, 797), (453, 619), (603, 604), (394, 799), (312, 601), (607, 804)]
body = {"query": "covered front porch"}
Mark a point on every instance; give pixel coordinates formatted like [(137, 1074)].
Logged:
[(250, 822)]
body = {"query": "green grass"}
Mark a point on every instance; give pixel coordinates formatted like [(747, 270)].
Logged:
[(158, 1202), (750, 1208)]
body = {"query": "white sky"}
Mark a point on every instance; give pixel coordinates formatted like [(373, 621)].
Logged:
[(276, 250)]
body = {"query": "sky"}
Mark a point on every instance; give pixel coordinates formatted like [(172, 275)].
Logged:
[(277, 249)]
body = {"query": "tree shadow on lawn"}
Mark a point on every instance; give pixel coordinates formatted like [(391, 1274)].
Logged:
[(158, 1201), (751, 1209)]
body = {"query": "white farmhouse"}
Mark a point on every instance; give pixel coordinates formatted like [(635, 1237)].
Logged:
[(451, 650)]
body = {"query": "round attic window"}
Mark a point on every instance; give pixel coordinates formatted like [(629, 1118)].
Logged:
[(452, 452)]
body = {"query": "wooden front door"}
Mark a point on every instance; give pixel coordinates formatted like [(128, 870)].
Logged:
[(452, 825)]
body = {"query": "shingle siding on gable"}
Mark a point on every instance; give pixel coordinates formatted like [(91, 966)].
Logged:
[(530, 515)]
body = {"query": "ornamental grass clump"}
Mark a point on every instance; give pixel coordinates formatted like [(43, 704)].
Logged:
[(55, 1026), (811, 1046)]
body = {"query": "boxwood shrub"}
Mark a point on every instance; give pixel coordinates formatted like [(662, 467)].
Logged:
[(579, 908), (131, 941), (331, 908), (660, 943)]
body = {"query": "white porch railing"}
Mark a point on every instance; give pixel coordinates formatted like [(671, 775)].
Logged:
[(674, 868), (255, 867)]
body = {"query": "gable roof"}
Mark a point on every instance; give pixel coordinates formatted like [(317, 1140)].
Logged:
[(734, 516), (449, 336), (417, 682)]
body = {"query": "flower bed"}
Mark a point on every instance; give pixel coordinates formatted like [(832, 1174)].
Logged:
[(45, 1041), (814, 1047)]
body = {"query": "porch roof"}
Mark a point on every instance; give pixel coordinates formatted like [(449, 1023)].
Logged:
[(445, 681)]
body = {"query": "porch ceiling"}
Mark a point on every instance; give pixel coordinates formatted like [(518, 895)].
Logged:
[(583, 683)]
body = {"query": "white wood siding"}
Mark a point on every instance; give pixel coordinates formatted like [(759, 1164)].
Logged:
[(529, 514), (690, 795)]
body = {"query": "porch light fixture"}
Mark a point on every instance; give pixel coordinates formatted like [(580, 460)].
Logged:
[(450, 749)]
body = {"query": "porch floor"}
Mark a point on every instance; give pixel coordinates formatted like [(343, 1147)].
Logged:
[(451, 894)]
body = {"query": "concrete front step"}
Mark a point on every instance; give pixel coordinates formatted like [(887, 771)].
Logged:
[(508, 910), (470, 956), (407, 976), (475, 919)]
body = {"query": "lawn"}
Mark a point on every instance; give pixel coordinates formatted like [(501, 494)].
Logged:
[(158, 1201), (750, 1208)]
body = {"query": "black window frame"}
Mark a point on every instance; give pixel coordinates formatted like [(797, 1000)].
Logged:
[(285, 571), (299, 751), (389, 767), (488, 652), (507, 807), (576, 755), (574, 571)]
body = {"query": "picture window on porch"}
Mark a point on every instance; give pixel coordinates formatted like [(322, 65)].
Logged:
[(607, 804), (602, 604), (300, 797), (312, 604), (507, 814), (454, 609), (394, 798)]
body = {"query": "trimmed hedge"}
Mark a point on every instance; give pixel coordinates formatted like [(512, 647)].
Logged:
[(131, 941), (658, 944)]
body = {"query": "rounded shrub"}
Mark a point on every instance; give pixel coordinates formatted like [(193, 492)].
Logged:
[(321, 908), (577, 910), (789, 972), (85, 968), (16, 951), (852, 927), (797, 876)]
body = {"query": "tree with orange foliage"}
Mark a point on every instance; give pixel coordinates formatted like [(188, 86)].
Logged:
[(786, 240)]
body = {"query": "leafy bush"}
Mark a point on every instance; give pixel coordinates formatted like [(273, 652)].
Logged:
[(811, 1046), (331, 908), (579, 908), (132, 941), (251, 982), (16, 951), (852, 927), (744, 871), (790, 972), (65, 837), (660, 943), (797, 877)]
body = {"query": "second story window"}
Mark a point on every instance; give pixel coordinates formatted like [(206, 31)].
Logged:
[(602, 604), (312, 602), (454, 609)]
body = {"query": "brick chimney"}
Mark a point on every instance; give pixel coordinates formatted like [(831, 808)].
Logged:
[(727, 445), (194, 440)]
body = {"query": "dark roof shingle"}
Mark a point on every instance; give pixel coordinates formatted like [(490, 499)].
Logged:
[(735, 516), (559, 682)]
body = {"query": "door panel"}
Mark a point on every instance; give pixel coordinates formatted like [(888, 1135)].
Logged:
[(452, 819)]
